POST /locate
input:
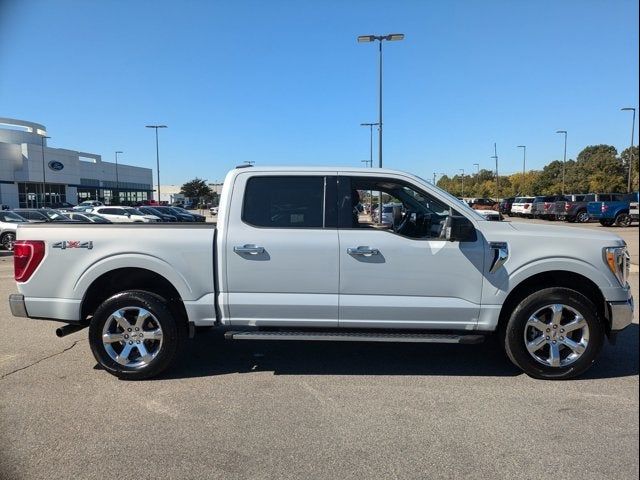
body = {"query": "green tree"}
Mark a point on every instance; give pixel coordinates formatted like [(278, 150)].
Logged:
[(196, 189), (630, 155)]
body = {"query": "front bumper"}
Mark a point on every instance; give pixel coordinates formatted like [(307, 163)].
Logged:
[(621, 314), (18, 307)]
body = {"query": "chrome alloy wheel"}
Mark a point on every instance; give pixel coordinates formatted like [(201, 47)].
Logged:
[(132, 336), (556, 335), (582, 217)]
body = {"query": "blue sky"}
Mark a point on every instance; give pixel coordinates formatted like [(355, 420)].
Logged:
[(284, 82)]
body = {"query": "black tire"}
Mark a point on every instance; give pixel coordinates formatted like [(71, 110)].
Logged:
[(174, 333), (514, 333), (623, 219), (7, 241)]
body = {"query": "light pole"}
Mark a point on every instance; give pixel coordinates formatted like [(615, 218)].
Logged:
[(117, 180), (564, 159), (633, 125), (495, 157), (477, 165), (157, 155), (462, 170), (524, 159), (44, 197), (434, 176), (371, 125), (392, 37)]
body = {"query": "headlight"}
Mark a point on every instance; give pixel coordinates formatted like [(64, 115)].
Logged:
[(619, 262)]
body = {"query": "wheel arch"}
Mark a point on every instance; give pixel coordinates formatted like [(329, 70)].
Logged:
[(554, 278), (131, 278)]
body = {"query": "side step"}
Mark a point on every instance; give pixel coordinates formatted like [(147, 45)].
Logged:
[(355, 337)]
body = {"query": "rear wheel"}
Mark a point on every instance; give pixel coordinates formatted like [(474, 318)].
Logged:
[(623, 220), (8, 240), (554, 333), (133, 335)]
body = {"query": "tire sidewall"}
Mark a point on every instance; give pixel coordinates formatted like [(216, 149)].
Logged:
[(514, 333), (171, 335)]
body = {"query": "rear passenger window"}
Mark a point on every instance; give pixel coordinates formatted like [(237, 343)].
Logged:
[(284, 202)]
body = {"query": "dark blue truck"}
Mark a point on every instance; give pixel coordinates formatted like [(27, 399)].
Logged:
[(612, 209)]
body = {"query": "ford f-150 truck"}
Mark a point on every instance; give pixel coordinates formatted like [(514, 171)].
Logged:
[(292, 258), (612, 209)]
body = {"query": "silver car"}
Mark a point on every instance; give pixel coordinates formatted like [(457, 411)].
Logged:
[(9, 222)]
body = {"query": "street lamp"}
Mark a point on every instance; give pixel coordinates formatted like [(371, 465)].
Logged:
[(44, 197), (434, 176), (495, 157), (477, 165), (117, 180), (565, 156), (524, 158), (633, 124), (371, 125), (157, 155), (392, 37), (462, 170)]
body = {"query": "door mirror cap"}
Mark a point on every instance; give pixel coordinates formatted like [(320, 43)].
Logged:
[(459, 229)]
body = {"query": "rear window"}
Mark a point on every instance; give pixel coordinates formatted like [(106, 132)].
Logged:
[(284, 202)]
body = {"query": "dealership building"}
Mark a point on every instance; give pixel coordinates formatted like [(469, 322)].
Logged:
[(33, 175)]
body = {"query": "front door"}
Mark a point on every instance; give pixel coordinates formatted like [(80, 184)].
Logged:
[(281, 255), (403, 273)]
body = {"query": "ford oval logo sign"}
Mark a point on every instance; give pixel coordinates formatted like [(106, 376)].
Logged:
[(55, 165)]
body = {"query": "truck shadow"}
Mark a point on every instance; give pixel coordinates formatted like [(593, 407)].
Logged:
[(209, 354)]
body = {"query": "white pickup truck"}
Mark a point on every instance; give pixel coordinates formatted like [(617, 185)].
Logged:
[(292, 258)]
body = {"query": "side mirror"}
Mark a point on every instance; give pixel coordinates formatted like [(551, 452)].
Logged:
[(459, 229)]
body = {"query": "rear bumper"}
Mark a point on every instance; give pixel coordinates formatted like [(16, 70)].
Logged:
[(18, 307)]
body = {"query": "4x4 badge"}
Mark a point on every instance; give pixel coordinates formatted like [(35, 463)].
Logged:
[(73, 244)]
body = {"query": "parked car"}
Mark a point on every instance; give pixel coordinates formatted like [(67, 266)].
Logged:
[(124, 215), (88, 205), (521, 206), (62, 206), (181, 215), (87, 217), (42, 215), (9, 222), (196, 216), (493, 215), (291, 261), (574, 207), (484, 204), (544, 206), (505, 206), (164, 217), (612, 209)]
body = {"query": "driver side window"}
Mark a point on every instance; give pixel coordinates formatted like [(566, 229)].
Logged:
[(391, 205)]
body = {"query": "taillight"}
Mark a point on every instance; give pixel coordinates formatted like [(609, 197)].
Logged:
[(526, 205), (27, 255), (546, 205), (567, 207), (604, 207)]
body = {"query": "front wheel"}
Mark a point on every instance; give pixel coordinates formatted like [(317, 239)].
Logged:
[(623, 220), (8, 240), (582, 217), (134, 335), (554, 333)]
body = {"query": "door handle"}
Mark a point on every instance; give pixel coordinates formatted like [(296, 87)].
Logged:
[(362, 251), (249, 248)]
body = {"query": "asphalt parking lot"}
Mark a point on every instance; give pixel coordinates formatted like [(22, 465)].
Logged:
[(310, 410)]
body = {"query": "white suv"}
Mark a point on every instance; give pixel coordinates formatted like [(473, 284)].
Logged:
[(124, 215), (522, 206)]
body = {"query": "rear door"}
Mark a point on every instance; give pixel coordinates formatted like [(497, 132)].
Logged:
[(281, 252)]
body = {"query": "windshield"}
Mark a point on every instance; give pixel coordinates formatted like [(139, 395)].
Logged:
[(11, 217)]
